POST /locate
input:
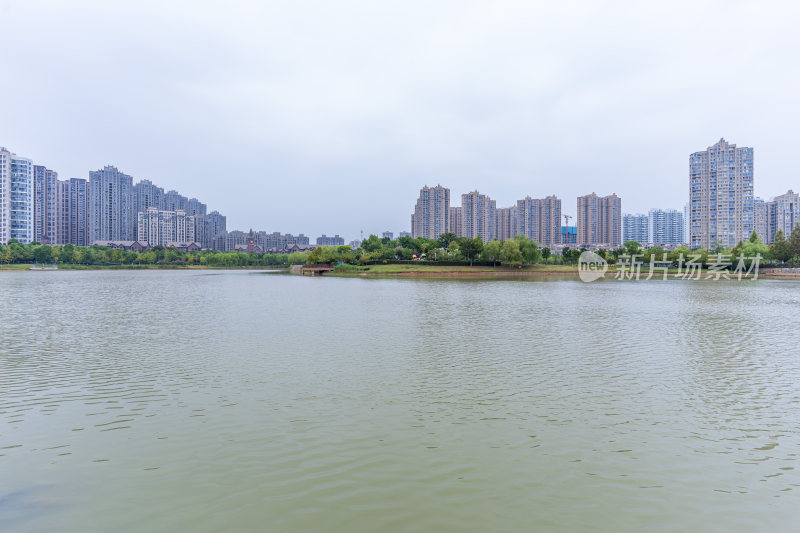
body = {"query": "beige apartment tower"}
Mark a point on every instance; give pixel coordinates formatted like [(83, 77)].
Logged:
[(478, 216), (455, 221), (599, 221)]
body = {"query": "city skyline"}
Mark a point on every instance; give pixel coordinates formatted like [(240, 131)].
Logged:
[(107, 207), (166, 193), (471, 94)]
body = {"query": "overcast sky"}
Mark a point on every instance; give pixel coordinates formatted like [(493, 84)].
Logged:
[(328, 117)]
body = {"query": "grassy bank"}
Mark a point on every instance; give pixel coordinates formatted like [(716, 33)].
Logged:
[(429, 270)]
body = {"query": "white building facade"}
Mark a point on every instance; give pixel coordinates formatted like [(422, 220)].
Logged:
[(635, 228), (665, 227), (162, 228), (16, 197)]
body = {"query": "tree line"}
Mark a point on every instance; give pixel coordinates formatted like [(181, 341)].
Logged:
[(447, 248), (34, 252), (523, 251)]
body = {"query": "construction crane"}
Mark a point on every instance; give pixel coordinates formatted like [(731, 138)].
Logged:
[(566, 229)]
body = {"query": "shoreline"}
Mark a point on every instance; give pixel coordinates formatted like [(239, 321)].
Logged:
[(538, 271), (403, 271), (66, 268)]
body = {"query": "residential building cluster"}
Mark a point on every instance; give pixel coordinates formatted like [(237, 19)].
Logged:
[(324, 240), (110, 209), (599, 221), (782, 213), (105, 208), (660, 227), (722, 209)]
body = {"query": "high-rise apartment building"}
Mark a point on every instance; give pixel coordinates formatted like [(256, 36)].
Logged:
[(526, 221), (45, 206), (146, 195), (16, 197), (276, 242), (209, 226), (112, 216), (74, 212), (785, 214), (721, 195), (539, 219), (324, 240), (228, 240), (159, 227), (550, 221), (454, 224), (195, 207), (665, 227), (174, 201), (431, 215), (477, 216), (635, 228), (687, 220), (504, 223), (599, 220), (760, 219)]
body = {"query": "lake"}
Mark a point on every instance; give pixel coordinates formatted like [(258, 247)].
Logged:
[(241, 400)]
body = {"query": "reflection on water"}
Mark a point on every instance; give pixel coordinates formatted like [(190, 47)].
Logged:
[(237, 400)]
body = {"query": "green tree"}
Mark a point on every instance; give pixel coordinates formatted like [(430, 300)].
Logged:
[(736, 251), (794, 242), (408, 242), (510, 252), (656, 251), (779, 251), (372, 244), (67, 253), (717, 248), (545, 254), (632, 247), (470, 248), (42, 254), (492, 251), (754, 247), (446, 238), (529, 249), (675, 254)]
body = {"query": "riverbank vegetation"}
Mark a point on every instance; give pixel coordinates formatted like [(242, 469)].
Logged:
[(68, 256), (521, 251), (446, 250)]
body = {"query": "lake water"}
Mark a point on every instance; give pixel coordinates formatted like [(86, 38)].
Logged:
[(222, 400)]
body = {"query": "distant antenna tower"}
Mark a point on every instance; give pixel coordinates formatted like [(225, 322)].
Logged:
[(362, 235)]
